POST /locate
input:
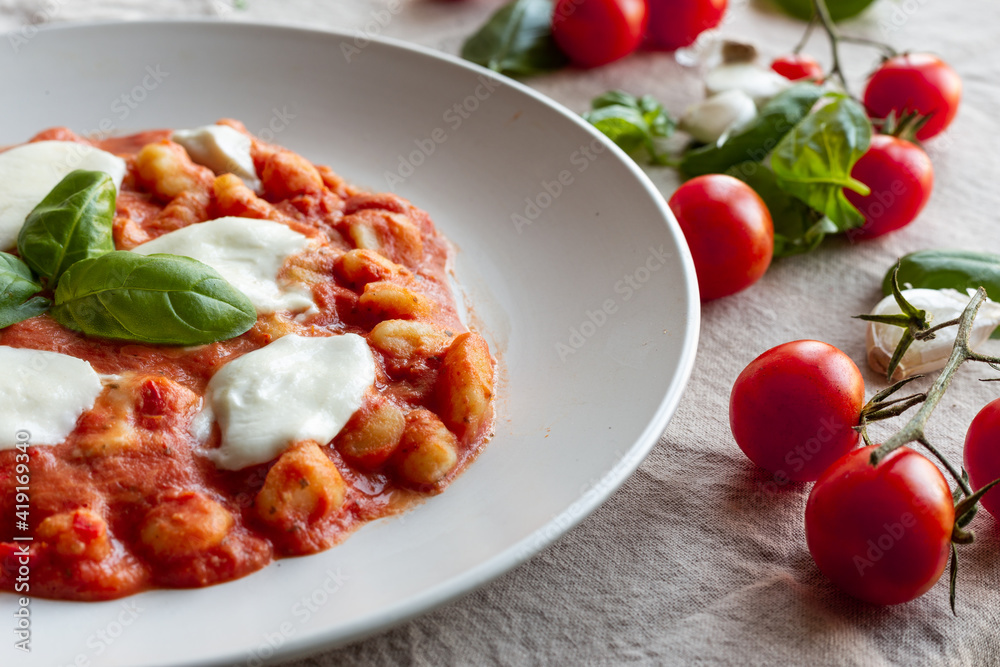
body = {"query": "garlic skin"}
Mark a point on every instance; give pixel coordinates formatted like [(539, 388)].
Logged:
[(756, 82), (930, 355), (718, 116)]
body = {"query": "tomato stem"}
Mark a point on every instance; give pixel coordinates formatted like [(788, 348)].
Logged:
[(806, 35), (821, 12), (821, 16), (913, 430)]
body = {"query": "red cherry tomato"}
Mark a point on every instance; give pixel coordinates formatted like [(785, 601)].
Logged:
[(597, 32), (900, 176), (881, 534), (982, 454), (674, 24), (793, 408), (729, 231), (915, 82), (796, 66)]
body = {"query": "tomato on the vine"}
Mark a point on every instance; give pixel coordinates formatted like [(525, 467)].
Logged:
[(674, 24), (792, 410), (597, 32), (915, 82), (900, 176), (882, 534), (796, 66), (729, 231), (982, 454)]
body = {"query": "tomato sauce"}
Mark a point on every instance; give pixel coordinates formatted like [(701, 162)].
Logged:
[(129, 501)]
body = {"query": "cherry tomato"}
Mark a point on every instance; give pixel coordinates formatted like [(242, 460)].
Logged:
[(674, 24), (915, 82), (982, 454), (882, 534), (793, 408), (597, 32), (796, 66), (729, 231), (900, 176)]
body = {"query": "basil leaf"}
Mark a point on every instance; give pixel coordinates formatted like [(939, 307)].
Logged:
[(613, 98), (943, 269), (17, 286), (955, 269), (797, 227), (631, 122), (157, 298), (757, 140), (517, 40), (814, 161), (623, 125), (72, 223)]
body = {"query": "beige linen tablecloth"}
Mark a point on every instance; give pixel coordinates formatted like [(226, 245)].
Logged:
[(696, 560)]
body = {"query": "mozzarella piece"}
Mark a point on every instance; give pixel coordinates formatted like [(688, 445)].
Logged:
[(719, 116), (42, 395), (248, 253), (29, 172), (296, 388), (222, 149), (758, 83)]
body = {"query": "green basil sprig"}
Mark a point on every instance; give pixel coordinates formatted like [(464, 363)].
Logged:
[(757, 140), (813, 162), (517, 40), (631, 122), (72, 223), (17, 287), (797, 227), (159, 299)]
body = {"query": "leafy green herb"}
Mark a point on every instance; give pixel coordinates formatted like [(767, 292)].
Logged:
[(71, 224), (17, 287), (756, 141), (954, 269), (517, 40), (156, 298), (632, 123), (813, 162), (797, 227)]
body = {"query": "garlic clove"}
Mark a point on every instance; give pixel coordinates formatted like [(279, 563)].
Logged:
[(929, 355), (758, 83), (718, 116)]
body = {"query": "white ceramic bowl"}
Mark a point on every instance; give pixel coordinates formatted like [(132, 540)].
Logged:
[(579, 277)]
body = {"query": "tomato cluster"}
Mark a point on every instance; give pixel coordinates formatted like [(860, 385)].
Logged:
[(597, 32), (883, 533)]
